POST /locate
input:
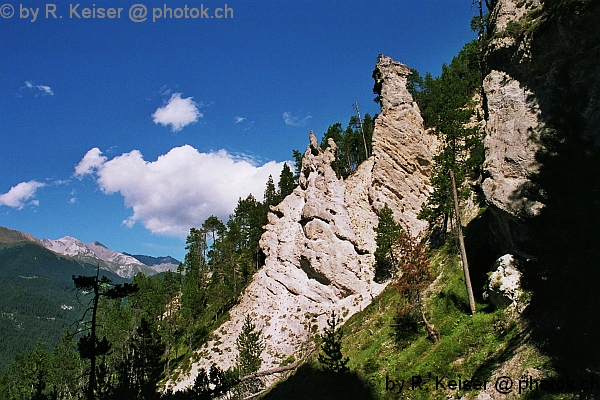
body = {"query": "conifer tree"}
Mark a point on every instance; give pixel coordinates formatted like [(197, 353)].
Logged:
[(147, 349), (388, 230), (90, 346), (446, 106), (331, 357), (270, 196), (65, 368), (297, 155), (27, 376), (250, 346), (286, 182)]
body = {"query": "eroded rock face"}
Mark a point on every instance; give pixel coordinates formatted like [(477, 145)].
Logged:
[(512, 131), (319, 242), (511, 143), (504, 13), (402, 150)]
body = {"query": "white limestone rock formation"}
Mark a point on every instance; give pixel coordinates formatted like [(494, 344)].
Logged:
[(319, 241)]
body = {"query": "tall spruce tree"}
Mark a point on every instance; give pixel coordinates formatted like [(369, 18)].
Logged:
[(447, 105), (270, 196), (297, 155)]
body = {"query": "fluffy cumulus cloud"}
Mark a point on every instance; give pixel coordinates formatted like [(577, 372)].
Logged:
[(20, 195), (89, 163), (183, 187), (178, 113), (289, 119)]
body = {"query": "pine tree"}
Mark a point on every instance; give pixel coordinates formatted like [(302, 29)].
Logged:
[(27, 376), (270, 197), (388, 230), (286, 182), (201, 388), (250, 346), (65, 368), (331, 357), (195, 283), (446, 106), (147, 349), (297, 155)]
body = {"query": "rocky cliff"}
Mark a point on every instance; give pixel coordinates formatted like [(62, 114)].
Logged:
[(513, 127), (540, 91), (542, 158), (319, 241)]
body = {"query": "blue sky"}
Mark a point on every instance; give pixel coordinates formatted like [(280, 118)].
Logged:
[(130, 133)]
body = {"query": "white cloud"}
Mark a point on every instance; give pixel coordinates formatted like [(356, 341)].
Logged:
[(177, 112), (18, 195), (183, 187), (44, 89), (295, 121), (92, 160), (239, 119)]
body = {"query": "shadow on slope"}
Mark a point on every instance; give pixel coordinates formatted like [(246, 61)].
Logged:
[(310, 383)]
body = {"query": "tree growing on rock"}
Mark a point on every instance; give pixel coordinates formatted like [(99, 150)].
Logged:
[(447, 107), (286, 183)]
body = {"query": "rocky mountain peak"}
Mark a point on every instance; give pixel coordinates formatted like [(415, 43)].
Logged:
[(98, 244)]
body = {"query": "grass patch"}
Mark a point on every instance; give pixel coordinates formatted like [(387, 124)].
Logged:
[(467, 346)]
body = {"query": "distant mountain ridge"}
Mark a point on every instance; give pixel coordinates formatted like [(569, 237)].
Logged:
[(11, 236), (152, 261), (122, 264), (159, 264)]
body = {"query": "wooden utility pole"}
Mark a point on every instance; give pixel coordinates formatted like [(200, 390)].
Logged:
[(355, 105), (461, 241)]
